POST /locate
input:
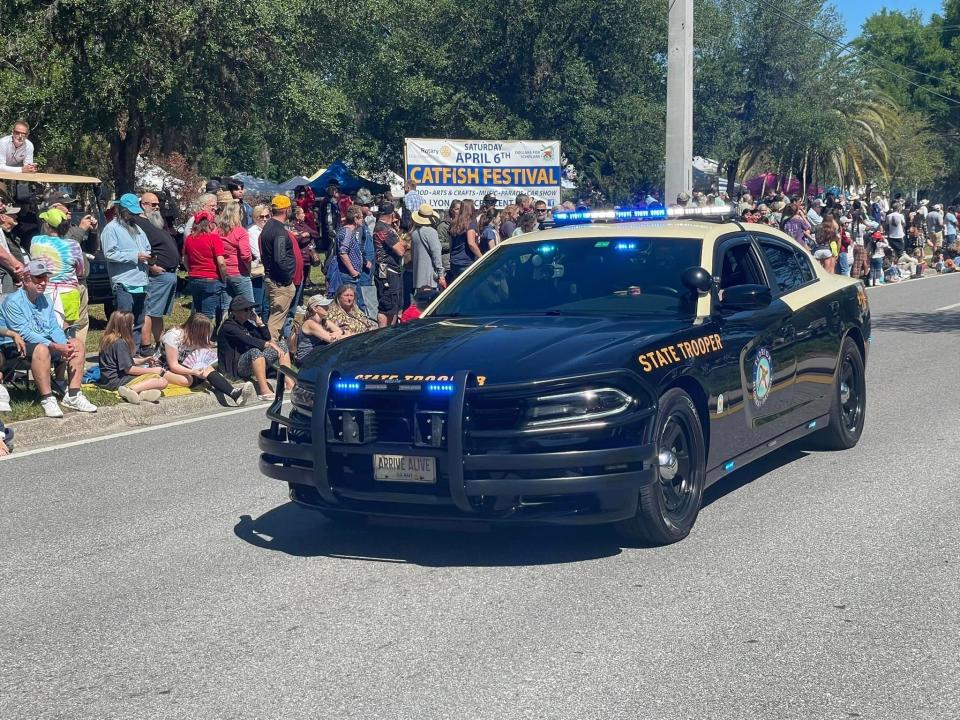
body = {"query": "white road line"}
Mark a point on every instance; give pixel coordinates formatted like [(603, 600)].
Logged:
[(137, 431), (947, 307)]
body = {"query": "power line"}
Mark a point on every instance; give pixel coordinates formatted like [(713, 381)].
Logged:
[(864, 55)]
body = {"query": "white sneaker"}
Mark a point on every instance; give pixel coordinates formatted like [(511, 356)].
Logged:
[(50, 407), (79, 403)]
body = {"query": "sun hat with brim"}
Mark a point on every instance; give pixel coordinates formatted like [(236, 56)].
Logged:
[(321, 300), (424, 214), (130, 203), (280, 202), (225, 198), (204, 215)]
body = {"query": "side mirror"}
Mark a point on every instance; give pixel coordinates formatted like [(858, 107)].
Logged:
[(746, 297), (698, 279)]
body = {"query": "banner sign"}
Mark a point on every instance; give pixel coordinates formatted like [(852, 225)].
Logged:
[(448, 170)]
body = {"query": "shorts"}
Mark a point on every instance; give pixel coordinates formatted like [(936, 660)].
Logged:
[(10, 353), (161, 291), (245, 361), (390, 292)]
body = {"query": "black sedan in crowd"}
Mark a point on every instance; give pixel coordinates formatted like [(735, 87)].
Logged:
[(591, 373)]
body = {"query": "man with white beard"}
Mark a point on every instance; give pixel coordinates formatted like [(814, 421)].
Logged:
[(162, 268)]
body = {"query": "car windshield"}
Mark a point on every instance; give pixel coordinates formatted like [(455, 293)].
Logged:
[(603, 276)]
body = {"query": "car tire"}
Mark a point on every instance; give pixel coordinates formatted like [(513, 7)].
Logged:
[(668, 507), (848, 402)]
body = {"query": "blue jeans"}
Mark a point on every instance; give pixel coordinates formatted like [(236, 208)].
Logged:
[(209, 297), (260, 297), (238, 285), (135, 303), (843, 264)]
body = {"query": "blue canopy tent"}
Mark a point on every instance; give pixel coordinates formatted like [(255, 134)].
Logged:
[(348, 180)]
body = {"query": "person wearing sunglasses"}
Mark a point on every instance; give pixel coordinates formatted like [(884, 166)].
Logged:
[(162, 268), (261, 214), (16, 151)]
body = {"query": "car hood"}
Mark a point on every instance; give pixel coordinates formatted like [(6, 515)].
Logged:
[(502, 349)]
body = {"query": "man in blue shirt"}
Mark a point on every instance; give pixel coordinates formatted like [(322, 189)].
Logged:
[(28, 313), (127, 250)]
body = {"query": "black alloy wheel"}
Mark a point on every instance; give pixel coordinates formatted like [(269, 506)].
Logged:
[(668, 507), (849, 401)]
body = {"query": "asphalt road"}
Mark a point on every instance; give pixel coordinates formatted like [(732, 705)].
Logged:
[(159, 576)]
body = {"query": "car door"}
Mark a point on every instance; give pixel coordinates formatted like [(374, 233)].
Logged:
[(816, 319), (767, 360)]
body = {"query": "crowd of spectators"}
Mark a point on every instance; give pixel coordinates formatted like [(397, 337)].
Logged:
[(878, 240)]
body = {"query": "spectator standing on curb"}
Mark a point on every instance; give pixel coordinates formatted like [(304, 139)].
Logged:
[(328, 217), (237, 191), (345, 265), (245, 350), (412, 199), (11, 259), (935, 226), (427, 262), (464, 249), (206, 202), (950, 227), (261, 213), (443, 232), (895, 224), (203, 257), (236, 251), (16, 151), (29, 314), (121, 370), (162, 268), (127, 250), (390, 250), (367, 298), (279, 264)]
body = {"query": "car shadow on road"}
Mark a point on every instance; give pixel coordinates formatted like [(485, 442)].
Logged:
[(917, 322), (296, 531), (757, 469)]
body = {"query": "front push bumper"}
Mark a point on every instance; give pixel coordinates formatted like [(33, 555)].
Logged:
[(575, 487)]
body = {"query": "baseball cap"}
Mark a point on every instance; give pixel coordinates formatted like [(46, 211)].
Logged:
[(386, 208), (240, 303), (36, 268), (60, 198), (9, 210), (489, 199), (280, 202), (129, 202), (321, 300)]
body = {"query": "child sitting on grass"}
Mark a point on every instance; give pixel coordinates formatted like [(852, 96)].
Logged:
[(135, 379)]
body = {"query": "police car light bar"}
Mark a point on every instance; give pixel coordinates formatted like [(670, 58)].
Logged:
[(576, 217)]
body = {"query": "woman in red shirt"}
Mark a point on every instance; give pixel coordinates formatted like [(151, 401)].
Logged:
[(203, 256), (237, 255)]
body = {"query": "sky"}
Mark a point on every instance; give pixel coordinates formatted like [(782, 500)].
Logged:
[(855, 12)]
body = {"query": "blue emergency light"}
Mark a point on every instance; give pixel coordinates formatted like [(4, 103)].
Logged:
[(347, 386), (580, 217), (438, 388)]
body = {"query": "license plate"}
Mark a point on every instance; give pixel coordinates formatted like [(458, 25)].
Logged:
[(405, 468)]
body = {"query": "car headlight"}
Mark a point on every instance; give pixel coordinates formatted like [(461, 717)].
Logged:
[(576, 407), (301, 397)]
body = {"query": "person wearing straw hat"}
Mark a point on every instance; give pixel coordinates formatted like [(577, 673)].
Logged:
[(427, 261)]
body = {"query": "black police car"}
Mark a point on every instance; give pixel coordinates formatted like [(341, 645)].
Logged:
[(591, 373)]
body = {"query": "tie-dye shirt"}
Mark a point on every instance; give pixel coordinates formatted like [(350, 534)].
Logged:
[(64, 259)]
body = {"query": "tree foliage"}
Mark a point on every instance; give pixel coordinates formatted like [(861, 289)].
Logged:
[(280, 88)]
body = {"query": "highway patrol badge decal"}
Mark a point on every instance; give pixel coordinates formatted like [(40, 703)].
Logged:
[(762, 376)]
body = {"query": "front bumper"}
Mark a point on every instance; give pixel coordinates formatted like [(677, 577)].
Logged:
[(536, 483)]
